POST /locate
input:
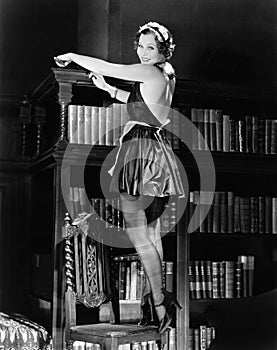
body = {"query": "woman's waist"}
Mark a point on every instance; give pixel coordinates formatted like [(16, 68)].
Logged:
[(145, 131)]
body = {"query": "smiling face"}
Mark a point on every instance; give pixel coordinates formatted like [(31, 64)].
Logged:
[(147, 50)]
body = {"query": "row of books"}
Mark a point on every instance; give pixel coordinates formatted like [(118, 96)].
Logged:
[(95, 125), (224, 133), (150, 345), (230, 213), (103, 126), (131, 276), (222, 279), (108, 212), (201, 338)]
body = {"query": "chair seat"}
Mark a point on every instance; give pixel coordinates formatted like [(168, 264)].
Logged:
[(113, 330), (123, 333)]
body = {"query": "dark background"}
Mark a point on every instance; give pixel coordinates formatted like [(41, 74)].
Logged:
[(225, 42)]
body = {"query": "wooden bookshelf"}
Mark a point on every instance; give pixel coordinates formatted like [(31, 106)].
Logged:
[(250, 173)]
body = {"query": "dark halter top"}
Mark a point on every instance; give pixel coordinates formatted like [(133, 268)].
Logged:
[(138, 109)]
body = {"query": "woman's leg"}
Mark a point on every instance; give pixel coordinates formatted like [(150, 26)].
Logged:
[(136, 228), (155, 237)]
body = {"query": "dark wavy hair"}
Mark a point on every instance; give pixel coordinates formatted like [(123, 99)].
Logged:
[(163, 38)]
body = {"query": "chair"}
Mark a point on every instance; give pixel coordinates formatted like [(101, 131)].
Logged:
[(89, 282)]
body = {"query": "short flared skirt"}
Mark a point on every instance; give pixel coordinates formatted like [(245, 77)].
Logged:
[(146, 165)]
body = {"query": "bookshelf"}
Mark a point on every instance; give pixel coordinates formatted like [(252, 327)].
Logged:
[(244, 174)]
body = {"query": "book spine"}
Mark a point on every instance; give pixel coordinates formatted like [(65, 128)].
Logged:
[(273, 144), (268, 133), (233, 142), (226, 133), (215, 279), (248, 134), (229, 279), (133, 280), (238, 279), (198, 286), (116, 123), (102, 126), (213, 129), (261, 136), (219, 130), (87, 125), (194, 119), (81, 124), (223, 212), (207, 129), (203, 279), (72, 124), (274, 215), (192, 286), (169, 275), (230, 211), (201, 134), (255, 134), (109, 126), (208, 273), (216, 212), (268, 214), (94, 125)]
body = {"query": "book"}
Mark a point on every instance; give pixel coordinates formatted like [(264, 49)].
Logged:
[(226, 133), (169, 276), (94, 125), (116, 123), (216, 212), (87, 125), (81, 124), (109, 126), (207, 129), (198, 285), (274, 215), (230, 211), (72, 124), (213, 130), (201, 128), (133, 279), (102, 126), (219, 129), (192, 282), (203, 279), (229, 279)]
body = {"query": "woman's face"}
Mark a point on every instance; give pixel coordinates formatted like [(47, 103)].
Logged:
[(147, 50)]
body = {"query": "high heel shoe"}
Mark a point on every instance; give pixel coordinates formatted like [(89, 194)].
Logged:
[(170, 304), (149, 316)]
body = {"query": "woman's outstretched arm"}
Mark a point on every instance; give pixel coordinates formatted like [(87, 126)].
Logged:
[(132, 72), (100, 82)]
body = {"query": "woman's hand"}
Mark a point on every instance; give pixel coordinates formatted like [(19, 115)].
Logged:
[(63, 60), (99, 81)]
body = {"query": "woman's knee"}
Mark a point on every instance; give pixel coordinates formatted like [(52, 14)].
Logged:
[(134, 220)]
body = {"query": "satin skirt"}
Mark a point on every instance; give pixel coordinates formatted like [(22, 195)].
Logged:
[(146, 165)]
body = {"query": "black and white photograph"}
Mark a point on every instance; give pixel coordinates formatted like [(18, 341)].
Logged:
[(138, 167)]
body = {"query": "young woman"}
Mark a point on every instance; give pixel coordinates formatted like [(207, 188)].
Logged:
[(145, 173)]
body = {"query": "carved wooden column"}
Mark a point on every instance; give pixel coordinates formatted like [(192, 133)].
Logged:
[(64, 98), (39, 119), (25, 120), (68, 230)]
